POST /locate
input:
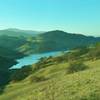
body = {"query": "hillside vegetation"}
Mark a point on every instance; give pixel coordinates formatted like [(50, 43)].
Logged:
[(72, 76)]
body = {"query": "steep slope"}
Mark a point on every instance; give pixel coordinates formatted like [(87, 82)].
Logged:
[(5, 64), (59, 85)]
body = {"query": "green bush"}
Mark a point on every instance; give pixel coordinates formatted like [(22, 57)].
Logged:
[(76, 66), (37, 79)]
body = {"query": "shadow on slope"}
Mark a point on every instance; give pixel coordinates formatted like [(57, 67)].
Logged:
[(5, 64)]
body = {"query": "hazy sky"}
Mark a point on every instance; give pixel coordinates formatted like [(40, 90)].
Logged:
[(80, 16)]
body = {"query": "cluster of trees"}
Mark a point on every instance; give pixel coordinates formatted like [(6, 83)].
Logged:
[(44, 62), (94, 52), (20, 74), (76, 60), (84, 53)]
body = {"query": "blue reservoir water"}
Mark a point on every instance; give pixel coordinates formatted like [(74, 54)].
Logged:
[(31, 59)]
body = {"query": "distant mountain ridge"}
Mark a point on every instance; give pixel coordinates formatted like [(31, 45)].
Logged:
[(57, 40), (69, 39), (19, 32), (26, 31)]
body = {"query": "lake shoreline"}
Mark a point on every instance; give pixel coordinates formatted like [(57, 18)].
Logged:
[(34, 58)]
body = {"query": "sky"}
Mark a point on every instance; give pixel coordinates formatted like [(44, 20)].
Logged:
[(76, 16)]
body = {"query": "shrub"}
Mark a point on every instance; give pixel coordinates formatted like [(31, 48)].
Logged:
[(76, 66), (37, 78)]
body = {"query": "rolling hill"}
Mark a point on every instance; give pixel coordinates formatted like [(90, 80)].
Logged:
[(27, 43), (57, 41), (52, 82)]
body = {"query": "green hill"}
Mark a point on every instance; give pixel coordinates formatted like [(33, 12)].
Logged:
[(27, 43), (60, 86), (50, 79), (56, 41), (63, 40)]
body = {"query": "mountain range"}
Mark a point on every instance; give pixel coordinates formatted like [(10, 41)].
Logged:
[(19, 32), (29, 42)]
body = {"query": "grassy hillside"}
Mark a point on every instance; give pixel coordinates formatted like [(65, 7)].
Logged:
[(50, 79), (83, 85), (71, 76)]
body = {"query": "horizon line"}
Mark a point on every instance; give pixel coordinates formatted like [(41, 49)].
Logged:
[(22, 29)]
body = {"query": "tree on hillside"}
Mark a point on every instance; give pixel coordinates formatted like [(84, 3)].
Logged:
[(76, 66), (22, 73), (94, 52)]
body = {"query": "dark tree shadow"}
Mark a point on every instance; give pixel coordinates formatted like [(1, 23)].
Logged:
[(4, 79), (5, 64)]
